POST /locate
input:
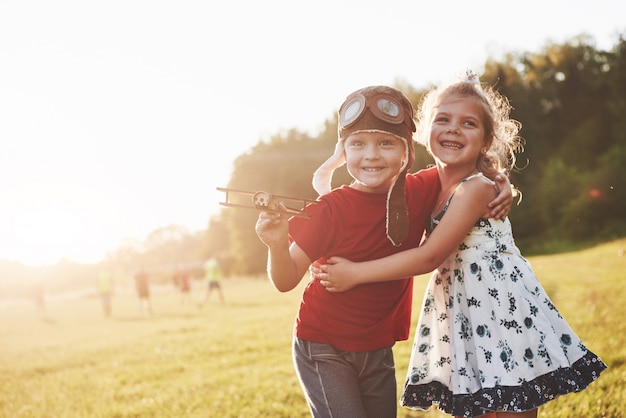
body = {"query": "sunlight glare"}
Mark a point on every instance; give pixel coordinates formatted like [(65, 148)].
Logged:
[(48, 232)]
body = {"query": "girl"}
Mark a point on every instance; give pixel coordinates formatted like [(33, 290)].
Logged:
[(489, 340)]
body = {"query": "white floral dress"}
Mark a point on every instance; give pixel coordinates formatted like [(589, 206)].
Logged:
[(488, 337)]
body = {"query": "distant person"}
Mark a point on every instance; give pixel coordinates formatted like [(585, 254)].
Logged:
[(183, 282), (105, 288), (213, 277), (142, 286), (39, 296)]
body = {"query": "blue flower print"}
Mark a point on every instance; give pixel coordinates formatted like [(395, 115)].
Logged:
[(443, 361), (494, 294), (566, 339), (506, 356), (512, 324), (429, 304), (480, 330), (418, 374), (458, 275), (528, 322), (528, 357), (495, 265), (483, 331), (548, 302), (512, 307), (473, 302), (516, 274), (488, 354), (465, 330), (499, 264)]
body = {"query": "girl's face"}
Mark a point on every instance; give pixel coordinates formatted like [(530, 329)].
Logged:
[(374, 159), (457, 133)]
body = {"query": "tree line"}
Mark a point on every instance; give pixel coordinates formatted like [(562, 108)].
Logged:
[(571, 101)]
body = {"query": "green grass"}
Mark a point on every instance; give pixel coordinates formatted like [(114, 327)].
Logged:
[(234, 360)]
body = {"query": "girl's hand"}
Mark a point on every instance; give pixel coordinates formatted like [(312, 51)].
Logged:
[(315, 271), (338, 275), (501, 205)]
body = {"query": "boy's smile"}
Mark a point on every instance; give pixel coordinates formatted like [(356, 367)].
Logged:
[(374, 160)]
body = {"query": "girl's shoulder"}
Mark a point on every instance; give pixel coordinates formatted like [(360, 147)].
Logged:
[(478, 180), (478, 186), (477, 190)]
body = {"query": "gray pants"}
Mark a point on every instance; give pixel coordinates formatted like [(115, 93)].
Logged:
[(343, 384)]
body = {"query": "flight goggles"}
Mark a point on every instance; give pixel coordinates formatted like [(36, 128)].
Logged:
[(380, 110)]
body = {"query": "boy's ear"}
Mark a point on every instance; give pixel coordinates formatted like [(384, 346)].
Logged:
[(405, 160)]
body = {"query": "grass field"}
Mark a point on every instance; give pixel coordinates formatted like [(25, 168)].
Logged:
[(234, 360)]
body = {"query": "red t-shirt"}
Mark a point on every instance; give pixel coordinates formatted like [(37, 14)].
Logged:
[(351, 224)]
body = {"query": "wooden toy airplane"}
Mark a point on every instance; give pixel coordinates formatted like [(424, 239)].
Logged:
[(264, 201)]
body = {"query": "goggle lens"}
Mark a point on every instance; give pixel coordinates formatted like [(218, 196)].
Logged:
[(351, 111), (384, 108), (389, 108)]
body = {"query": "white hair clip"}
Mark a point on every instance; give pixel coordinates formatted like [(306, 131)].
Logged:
[(470, 77)]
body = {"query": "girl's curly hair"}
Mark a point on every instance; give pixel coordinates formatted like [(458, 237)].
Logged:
[(499, 127)]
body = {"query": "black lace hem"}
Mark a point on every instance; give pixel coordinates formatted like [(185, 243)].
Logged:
[(524, 397)]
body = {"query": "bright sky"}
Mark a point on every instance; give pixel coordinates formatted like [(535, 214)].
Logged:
[(119, 117)]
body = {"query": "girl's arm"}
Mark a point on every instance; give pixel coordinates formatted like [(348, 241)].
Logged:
[(286, 264), (468, 205)]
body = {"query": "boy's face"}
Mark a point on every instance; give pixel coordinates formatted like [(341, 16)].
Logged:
[(374, 160)]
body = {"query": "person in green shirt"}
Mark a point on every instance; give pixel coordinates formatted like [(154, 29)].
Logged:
[(213, 277)]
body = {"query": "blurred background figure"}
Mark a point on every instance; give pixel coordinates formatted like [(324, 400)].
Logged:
[(183, 281), (38, 294), (105, 288), (143, 291), (213, 277)]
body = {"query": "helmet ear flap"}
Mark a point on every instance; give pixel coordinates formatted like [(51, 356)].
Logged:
[(323, 176)]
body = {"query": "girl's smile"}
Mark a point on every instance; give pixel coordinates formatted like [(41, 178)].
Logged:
[(457, 133)]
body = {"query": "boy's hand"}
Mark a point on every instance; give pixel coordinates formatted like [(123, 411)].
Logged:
[(501, 205), (272, 228)]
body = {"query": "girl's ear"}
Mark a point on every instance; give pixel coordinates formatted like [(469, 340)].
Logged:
[(488, 143)]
